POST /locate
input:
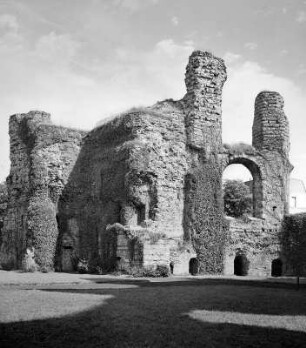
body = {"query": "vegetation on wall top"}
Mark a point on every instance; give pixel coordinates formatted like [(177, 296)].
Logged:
[(239, 149)]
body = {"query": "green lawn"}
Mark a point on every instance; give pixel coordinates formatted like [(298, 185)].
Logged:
[(139, 313)]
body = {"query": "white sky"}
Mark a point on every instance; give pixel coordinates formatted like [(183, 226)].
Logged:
[(83, 61)]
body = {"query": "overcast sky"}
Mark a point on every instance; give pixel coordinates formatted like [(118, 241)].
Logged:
[(83, 61)]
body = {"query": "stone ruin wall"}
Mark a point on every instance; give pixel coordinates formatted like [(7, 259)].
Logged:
[(86, 205), (203, 216), (268, 162), (130, 172), (42, 157), (153, 171), (255, 238)]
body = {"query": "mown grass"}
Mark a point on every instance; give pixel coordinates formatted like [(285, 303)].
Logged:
[(139, 313)]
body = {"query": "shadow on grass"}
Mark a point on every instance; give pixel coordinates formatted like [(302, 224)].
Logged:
[(194, 281), (163, 315)]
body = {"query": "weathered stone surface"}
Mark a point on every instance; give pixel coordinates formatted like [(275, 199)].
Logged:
[(205, 76), (146, 187), (258, 240), (42, 156)]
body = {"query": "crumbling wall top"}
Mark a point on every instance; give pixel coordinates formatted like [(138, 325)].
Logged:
[(269, 100), (270, 126), (35, 116), (204, 70)]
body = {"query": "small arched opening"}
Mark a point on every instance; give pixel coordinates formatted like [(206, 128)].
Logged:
[(171, 266), (141, 213), (277, 268), (118, 263), (193, 266), (241, 265)]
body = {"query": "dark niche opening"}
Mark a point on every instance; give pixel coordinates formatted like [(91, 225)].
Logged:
[(194, 266), (241, 265), (141, 214), (118, 263), (57, 220), (171, 266), (276, 268), (1, 226)]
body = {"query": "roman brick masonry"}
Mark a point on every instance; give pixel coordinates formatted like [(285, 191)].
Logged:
[(145, 188)]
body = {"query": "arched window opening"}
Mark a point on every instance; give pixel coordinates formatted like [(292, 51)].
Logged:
[(277, 268), (193, 266), (248, 174), (237, 191), (241, 265)]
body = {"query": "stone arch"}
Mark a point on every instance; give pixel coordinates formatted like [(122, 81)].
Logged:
[(241, 265), (276, 268), (193, 266), (257, 186)]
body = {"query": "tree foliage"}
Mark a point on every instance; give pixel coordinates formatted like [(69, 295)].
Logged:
[(3, 205), (3, 201), (237, 198), (3, 192)]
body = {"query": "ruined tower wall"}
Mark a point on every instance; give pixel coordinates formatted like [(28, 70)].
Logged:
[(270, 127), (42, 155), (268, 161), (271, 138), (14, 229), (203, 220), (204, 79)]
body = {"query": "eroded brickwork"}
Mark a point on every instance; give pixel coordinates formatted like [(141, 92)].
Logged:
[(205, 77), (271, 138)]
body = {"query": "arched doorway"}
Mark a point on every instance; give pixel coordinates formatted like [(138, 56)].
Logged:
[(241, 265), (193, 266), (277, 268)]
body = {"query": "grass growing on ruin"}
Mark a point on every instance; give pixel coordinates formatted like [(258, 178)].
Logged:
[(139, 313), (134, 110), (239, 149)]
